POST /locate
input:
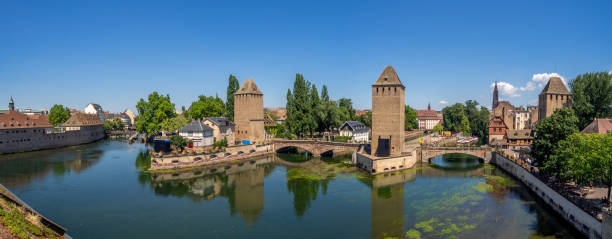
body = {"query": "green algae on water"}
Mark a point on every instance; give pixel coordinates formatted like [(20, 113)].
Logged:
[(413, 234)]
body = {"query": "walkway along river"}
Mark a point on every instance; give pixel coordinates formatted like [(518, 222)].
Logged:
[(98, 191)]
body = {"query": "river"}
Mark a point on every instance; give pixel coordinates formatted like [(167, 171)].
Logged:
[(98, 191)]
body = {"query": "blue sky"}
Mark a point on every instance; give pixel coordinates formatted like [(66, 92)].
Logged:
[(116, 52)]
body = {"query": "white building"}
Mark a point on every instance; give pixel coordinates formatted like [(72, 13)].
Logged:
[(95, 109), (521, 119), (356, 130), (428, 118), (131, 115), (200, 134)]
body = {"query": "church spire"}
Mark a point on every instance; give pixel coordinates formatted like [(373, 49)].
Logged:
[(11, 104), (429, 106), (495, 96)]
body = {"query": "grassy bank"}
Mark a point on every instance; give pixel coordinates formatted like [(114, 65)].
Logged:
[(21, 223)]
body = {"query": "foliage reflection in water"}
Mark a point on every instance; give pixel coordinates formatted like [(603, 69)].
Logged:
[(274, 196)]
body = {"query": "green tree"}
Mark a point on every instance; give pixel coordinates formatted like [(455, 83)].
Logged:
[(586, 158), (455, 119), (58, 115), (232, 88), (221, 143), (346, 109), (174, 123), (178, 141), (113, 124), (366, 119), (410, 120), (317, 110), (591, 97), (478, 120), (548, 133), (206, 106), (330, 115), (438, 128), (152, 112), (299, 108)]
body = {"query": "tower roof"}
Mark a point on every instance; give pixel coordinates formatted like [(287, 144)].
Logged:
[(555, 86), (388, 77), (11, 101), (249, 87)]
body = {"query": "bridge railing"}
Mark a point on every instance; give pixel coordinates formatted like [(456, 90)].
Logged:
[(458, 148), (292, 141)]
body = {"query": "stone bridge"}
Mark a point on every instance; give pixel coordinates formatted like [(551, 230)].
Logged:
[(483, 153), (317, 148)]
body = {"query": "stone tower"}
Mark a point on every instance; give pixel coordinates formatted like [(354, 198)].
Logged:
[(387, 114), (248, 113), (11, 104), (554, 96), (495, 97)]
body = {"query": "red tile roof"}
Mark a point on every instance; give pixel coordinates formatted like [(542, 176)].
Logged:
[(600, 126), (82, 119), (14, 120), (427, 115)]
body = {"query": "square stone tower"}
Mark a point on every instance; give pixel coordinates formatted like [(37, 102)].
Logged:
[(387, 114), (554, 96), (249, 114)]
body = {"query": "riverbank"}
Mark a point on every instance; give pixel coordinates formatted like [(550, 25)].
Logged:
[(18, 220), (578, 218)]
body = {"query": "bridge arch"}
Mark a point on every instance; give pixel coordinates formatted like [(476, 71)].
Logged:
[(316, 148), (287, 147), (483, 154)]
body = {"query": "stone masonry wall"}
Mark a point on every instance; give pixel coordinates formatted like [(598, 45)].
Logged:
[(22, 140), (248, 117), (388, 117)]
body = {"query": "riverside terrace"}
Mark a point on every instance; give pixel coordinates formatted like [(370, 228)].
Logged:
[(199, 156), (204, 156)]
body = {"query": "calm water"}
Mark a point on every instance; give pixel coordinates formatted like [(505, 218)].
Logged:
[(97, 191)]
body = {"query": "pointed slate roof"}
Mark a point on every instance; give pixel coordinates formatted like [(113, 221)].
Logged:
[(555, 86), (195, 126), (355, 126), (388, 78), (249, 87)]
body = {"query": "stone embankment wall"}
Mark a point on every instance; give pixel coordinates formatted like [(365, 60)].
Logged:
[(377, 165), (22, 140), (581, 220), (197, 160)]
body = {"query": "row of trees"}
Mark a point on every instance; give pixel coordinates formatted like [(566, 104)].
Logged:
[(564, 153), (157, 113), (467, 118), (308, 113), (113, 124), (591, 97)]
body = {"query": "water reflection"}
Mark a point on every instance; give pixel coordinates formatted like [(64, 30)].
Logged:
[(461, 162), (455, 197), (241, 183), (19, 169)]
